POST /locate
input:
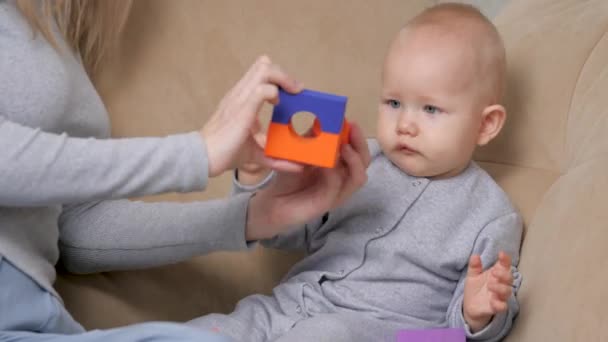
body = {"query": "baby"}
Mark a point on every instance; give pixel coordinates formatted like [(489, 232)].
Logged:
[(431, 241)]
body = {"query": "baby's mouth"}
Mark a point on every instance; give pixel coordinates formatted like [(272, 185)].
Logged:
[(407, 150)]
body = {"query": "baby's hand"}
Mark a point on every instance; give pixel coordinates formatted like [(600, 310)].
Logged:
[(486, 293)]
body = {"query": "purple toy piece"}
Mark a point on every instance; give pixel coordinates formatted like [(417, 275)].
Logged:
[(327, 108), (432, 335)]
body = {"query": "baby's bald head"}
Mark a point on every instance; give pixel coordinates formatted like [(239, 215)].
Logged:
[(468, 34)]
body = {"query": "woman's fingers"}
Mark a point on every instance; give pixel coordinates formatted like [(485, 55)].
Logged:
[(237, 91), (359, 143), (265, 72), (355, 165), (276, 75), (231, 134), (283, 165)]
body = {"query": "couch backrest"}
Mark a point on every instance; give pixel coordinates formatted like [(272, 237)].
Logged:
[(558, 129)]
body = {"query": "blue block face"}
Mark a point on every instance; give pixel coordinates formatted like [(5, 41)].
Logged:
[(328, 108)]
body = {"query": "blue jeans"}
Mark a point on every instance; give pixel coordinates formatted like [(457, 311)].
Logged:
[(30, 313)]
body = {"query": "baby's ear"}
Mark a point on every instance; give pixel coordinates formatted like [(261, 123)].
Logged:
[(492, 119)]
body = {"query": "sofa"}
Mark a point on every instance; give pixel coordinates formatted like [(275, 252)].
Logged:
[(178, 58)]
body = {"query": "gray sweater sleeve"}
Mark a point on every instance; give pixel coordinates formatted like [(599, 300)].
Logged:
[(41, 169), (295, 238), (123, 234), (84, 174), (502, 234)]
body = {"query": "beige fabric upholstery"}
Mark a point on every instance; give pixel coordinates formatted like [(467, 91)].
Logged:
[(558, 55), (179, 57)]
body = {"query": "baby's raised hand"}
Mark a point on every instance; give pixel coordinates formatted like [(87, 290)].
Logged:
[(486, 292)]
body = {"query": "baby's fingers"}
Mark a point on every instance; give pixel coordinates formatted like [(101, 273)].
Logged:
[(504, 260), (500, 291), (503, 276), (475, 266), (498, 305)]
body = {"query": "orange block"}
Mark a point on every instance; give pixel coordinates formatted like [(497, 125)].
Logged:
[(319, 149), (344, 133)]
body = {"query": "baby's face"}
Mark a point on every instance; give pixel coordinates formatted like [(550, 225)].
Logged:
[(429, 112)]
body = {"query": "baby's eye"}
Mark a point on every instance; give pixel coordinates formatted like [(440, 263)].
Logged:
[(394, 104), (431, 109)]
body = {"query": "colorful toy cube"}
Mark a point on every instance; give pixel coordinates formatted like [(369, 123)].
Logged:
[(330, 129)]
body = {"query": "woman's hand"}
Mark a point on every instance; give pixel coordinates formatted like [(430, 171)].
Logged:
[(232, 134), (294, 198)]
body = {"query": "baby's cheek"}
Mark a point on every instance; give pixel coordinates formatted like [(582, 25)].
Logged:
[(385, 124), (461, 148), (384, 137)]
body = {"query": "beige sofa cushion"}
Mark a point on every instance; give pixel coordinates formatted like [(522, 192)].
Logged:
[(558, 56)]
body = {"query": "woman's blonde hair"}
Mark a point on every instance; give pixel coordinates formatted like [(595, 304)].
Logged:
[(90, 27)]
